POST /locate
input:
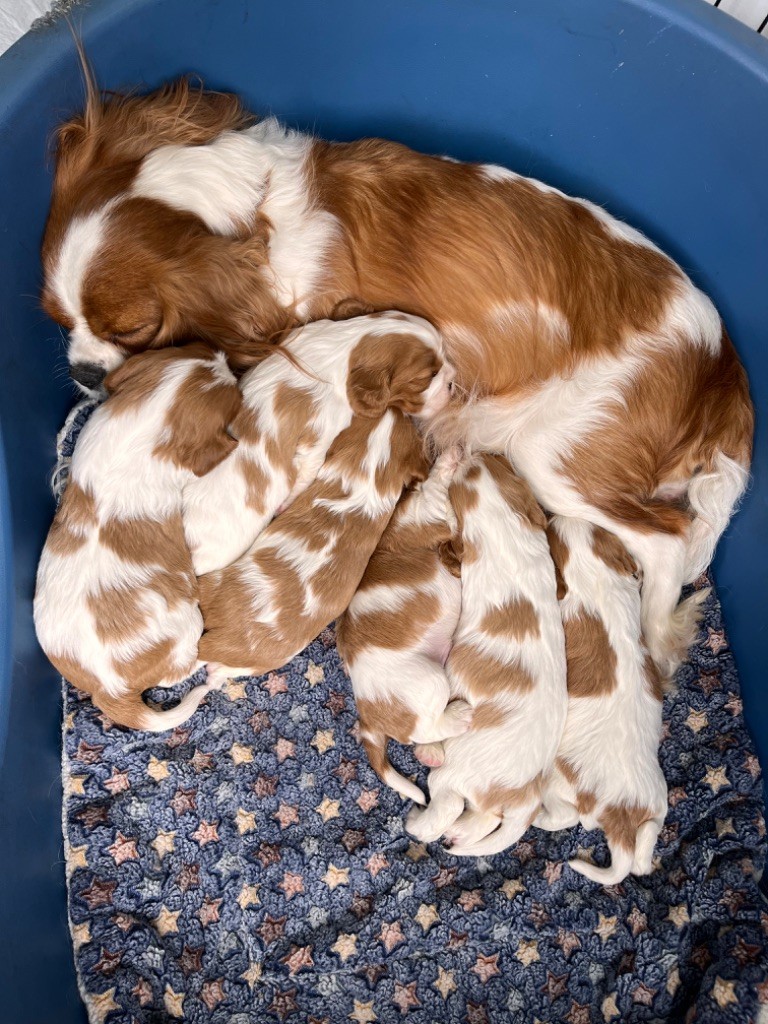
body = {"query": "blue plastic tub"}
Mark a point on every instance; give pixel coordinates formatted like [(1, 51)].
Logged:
[(655, 109)]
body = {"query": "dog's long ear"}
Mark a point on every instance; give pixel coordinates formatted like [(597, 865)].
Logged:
[(198, 421)]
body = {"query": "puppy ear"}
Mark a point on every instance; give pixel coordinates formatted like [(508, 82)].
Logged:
[(369, 390), (414, 367), (349, 308), (198, 421), (450, 553)]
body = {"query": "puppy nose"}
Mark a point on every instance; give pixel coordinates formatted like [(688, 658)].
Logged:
[(88, 375)]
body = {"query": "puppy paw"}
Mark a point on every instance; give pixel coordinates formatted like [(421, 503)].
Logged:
[(457, 718), (430, 754)]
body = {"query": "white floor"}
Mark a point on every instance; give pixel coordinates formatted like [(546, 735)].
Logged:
[(17, 15)]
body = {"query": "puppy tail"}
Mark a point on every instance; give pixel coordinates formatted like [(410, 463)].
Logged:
[(375, 745), (713, 497), (513, 825), (624, 860), (131, 711)]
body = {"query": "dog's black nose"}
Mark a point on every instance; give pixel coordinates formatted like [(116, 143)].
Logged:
[(88, 375)]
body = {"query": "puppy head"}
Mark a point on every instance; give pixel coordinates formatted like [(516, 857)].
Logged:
[(205, 401), (124, 272), (398, 364)]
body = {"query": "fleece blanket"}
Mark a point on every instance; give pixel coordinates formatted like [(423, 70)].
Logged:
[(249, 867)]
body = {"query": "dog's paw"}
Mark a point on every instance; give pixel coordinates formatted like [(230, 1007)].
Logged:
[(430, 754)]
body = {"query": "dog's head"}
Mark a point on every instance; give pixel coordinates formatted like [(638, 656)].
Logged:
[(128, 265)]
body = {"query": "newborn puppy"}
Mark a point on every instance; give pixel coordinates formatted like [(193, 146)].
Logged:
[(607, 772), (116, 602), (507, 662), (303, 570), (397, 633), (294, 407)]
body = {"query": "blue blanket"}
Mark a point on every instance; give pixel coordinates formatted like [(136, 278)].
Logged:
[(249, 866)]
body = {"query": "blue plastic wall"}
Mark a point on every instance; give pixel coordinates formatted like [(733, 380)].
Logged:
[(656, 110)]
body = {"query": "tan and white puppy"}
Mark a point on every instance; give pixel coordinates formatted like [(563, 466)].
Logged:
[(607, 772), (116, 603), (294, 408), (303, 570), (397, 632), (507, 662)]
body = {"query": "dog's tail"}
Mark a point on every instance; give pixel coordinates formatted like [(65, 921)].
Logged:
[(375, 745), (713, 497), (131, 711), (637, 860)]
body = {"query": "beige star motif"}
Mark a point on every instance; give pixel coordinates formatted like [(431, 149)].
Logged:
[(252, 975), (723, 992), (426, 916), (345, 946), (673, 981), (240, 753), (376, 863), (609, 1007), (606, 926), (81, 934), (103, 1004), (512, 887), (286, 814), (716, 778), (249, 897), (234, 689), (528, 951), (69, 721), (166, 921), (363, 1013), (174, 1002), (163, 843), (315, 674), (445, 983), (697, 720), (724, 827), (416, 852), (328, 809), (335, 877), (678, 915), (77, 858), (284, 749), (157, 770), (245, 821), (323, 740), (75, 785)]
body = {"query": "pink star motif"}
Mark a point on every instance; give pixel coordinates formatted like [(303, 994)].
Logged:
[(376, 863), (284, 1004), (89, 753), (206, 832), (525, 851), (676, 796), (367, 800), (637, 921), (735, 705), (284, 749), (123, 849), (179, 737), (300, 958), (709, 682), (470, 899), (761, 987), (567, 941), (143, 992), (184, 800), (209, 912), (286, 815), (444, 876), (578, 1014), (291, 884), (752, 765), (553, 870), (117, 782), (641, 993), (212, 993), (275, 684), (202, 761), (486, 967), (716, 640), (391, 935), (405, 996), (259, 721), (124, 922)]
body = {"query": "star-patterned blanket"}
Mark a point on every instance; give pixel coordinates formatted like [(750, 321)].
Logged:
[(250, 867)]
